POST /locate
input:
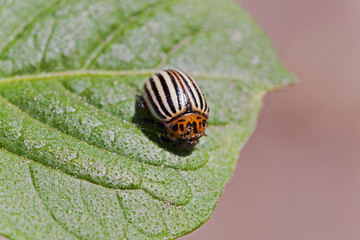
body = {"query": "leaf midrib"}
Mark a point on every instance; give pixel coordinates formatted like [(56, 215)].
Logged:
[(108, 73)]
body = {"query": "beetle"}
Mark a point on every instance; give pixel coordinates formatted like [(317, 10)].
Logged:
[(176, 102)]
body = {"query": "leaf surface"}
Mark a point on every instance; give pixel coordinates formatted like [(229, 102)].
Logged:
[(76, 160)]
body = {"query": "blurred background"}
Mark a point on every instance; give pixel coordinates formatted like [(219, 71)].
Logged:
[(298, 177)]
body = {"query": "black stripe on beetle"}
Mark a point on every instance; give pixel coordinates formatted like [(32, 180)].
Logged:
[(166, 90), (156, 91), (183, 92), (189, 89), (201, 96), (176, 86), (151, 101)]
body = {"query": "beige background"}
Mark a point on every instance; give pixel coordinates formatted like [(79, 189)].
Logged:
[(298, 178)]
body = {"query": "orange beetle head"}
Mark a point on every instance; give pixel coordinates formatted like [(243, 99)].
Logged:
[(186, 129)]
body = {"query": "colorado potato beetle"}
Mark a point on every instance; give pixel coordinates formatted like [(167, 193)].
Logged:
[(176, 102)]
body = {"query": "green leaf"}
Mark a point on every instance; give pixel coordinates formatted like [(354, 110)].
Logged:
[(76, 161)]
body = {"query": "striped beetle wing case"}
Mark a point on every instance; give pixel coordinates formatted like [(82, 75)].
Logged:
[(171, 93), (176, 101)]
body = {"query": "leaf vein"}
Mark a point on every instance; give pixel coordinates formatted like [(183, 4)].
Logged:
[(106, 233), (182, 43), (117, 31), (128, 220), (108, 73), (31, 173), (124, 212), (15, 226), (48, 40), (13, 37)]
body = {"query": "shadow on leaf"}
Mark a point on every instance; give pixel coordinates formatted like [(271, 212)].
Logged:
[(154, 130)]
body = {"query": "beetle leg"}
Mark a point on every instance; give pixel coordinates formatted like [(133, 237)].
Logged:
[(143, 105), (163, 139)]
